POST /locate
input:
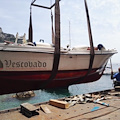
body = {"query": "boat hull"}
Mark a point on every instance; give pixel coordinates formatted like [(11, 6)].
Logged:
[(36, 61), (14, 81), (27, 68)]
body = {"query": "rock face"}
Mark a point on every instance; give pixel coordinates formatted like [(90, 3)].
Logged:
[(6, 36), (26, 94)]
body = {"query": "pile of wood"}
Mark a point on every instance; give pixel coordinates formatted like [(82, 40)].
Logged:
[(84, 98), (79, 99)]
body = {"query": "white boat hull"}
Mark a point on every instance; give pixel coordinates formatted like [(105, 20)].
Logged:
[(26, 68)]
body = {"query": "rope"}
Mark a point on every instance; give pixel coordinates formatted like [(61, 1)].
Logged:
[(93, 113), (112, 73), (111, 64), (57, 46), (92, 53), (57, 41)]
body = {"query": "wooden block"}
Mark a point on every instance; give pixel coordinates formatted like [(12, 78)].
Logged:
[(114, 93), (117, 87), (29, 106), (45, 108), (60, 104), (28, 110)]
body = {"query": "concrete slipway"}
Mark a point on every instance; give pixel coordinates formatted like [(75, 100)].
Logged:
[(103, 105)]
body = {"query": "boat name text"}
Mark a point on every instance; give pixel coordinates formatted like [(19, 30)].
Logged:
[(29, 64)]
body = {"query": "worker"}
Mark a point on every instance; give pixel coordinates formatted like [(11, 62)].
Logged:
[(117, 76)]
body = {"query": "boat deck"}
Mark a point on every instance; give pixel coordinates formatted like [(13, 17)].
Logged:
[(104, 109)]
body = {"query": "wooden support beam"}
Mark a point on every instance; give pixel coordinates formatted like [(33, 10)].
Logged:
[(60, 104), (45, 108)]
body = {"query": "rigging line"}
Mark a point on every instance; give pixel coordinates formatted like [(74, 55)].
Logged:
[(69, 35), (92, 112), (91, 46), (111, 64), (112, 73), (43, 6), (57, 46), (90, 37), (33, 1), (57, 42), (53, 35)]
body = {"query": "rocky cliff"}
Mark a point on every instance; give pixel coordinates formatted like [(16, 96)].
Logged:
[(6, 36)]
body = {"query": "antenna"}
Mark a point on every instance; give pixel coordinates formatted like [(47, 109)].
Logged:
[(69, 35)]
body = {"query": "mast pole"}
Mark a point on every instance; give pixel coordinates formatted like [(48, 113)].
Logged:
[(69, 35), (30, 34)]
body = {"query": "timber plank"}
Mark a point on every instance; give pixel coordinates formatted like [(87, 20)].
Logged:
[(58, 103), (45, 108)]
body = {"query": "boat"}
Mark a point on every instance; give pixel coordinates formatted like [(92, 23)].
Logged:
[(25, 66)]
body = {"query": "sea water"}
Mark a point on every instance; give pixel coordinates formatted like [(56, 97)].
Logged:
[(104, 83)]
